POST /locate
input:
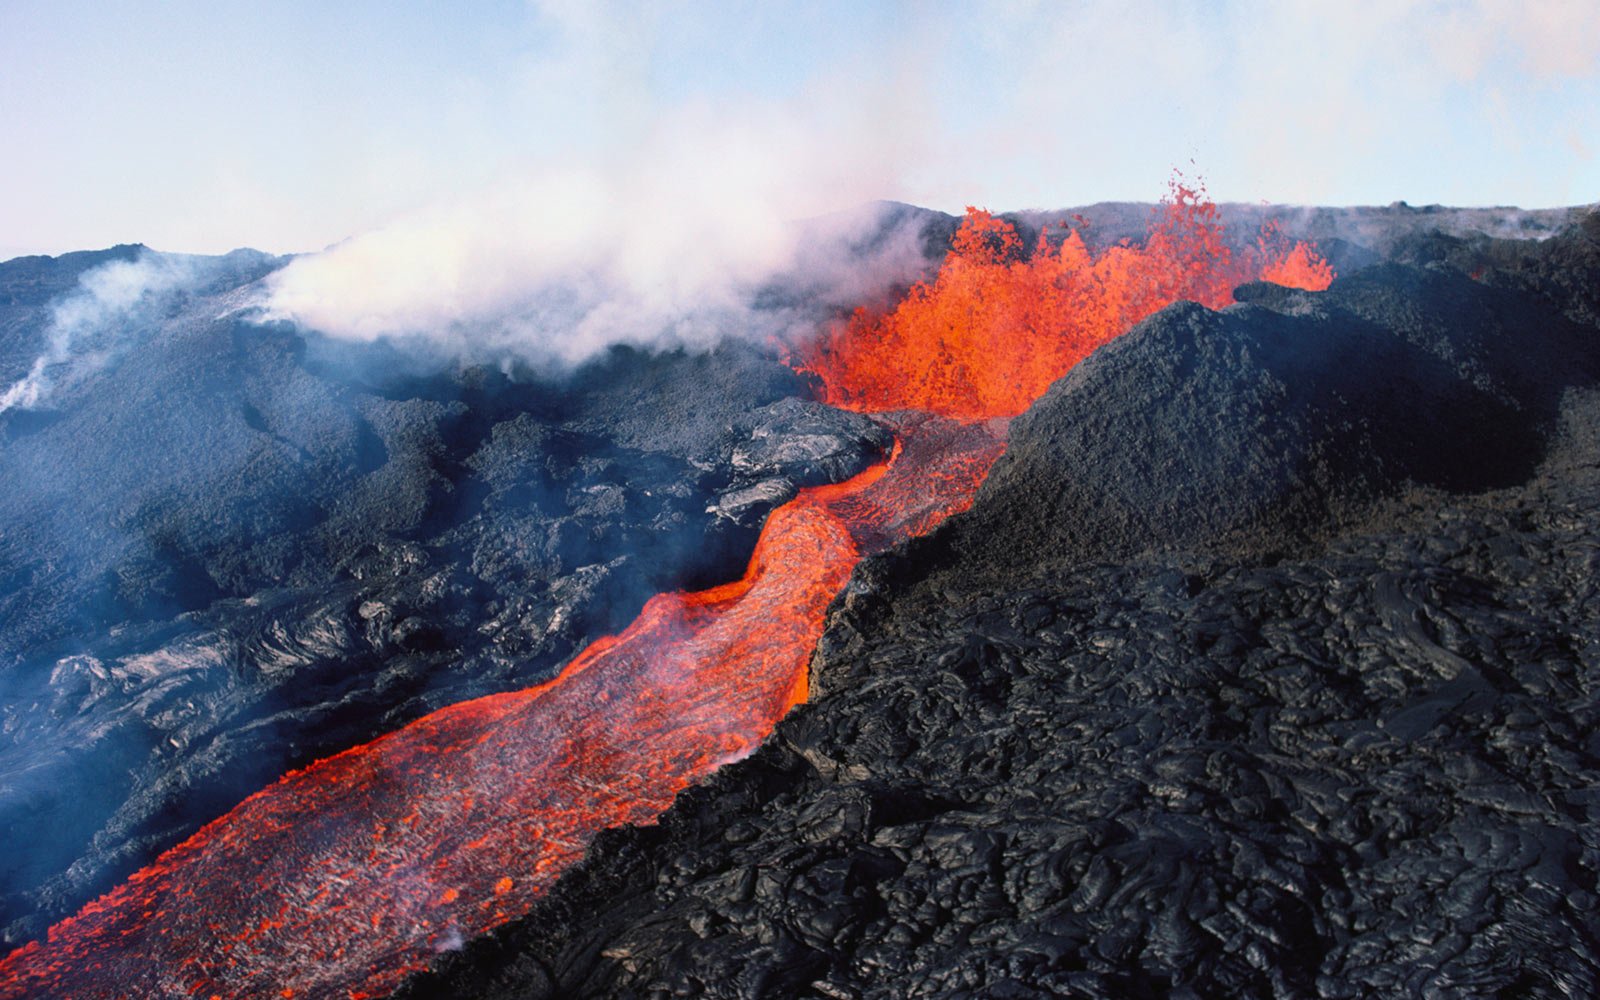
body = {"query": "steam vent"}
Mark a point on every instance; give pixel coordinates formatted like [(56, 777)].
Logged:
[(1184, 600)]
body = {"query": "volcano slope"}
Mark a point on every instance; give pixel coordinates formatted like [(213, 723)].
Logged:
[(231, 548), (1266, 664)]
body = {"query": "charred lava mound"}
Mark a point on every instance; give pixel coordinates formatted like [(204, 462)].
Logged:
[(1265, 660), (1265, 664)]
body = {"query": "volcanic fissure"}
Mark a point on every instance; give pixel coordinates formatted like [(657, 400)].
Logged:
[(348, 875)]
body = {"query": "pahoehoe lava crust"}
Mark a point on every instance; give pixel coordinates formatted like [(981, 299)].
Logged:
[(1267, 663), (239, 548)]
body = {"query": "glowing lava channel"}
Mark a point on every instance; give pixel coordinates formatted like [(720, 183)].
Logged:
[(344, 877)]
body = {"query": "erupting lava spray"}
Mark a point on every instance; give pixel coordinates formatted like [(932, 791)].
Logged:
[(997, 326), (345, 876)]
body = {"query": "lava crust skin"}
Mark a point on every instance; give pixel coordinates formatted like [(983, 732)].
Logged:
[(238, 547), (1267, 664)]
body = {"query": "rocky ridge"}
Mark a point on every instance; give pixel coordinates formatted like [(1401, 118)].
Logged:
[(1266, 664)]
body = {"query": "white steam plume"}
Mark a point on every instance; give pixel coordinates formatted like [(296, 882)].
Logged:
[(661, 247), (92, 325), (676, 211)]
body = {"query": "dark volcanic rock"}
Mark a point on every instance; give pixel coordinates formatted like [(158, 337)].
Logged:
[(28, 286), (1271, 422), (794, 443), (228, 549), (808, 443), (1266, 664)]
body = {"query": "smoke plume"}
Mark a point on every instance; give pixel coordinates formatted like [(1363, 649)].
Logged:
[(668, 246), (113, 305)]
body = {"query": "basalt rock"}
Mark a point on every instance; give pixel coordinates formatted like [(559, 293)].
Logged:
[(1267, 664), (790, 444), (237, 547), (808, 443), (1264, 664), (1274, 422)]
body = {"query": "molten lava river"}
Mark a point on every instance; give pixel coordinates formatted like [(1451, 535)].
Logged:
[(344, 877)]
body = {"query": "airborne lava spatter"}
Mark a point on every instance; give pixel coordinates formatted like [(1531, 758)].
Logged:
[(997, 326), (345, 876)]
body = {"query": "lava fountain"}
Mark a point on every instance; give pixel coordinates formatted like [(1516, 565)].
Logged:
[(344, 877), (998, 325)]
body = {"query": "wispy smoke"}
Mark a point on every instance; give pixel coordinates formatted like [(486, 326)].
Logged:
[(677, 211), (99, 320), (1551, 39), (671, 211), (666, 246)]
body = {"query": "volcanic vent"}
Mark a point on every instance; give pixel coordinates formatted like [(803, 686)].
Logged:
[(345, 876)]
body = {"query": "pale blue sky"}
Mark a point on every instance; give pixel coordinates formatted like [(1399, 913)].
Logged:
[(290, 125)]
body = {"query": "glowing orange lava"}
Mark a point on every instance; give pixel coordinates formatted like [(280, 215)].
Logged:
[(997, 326), (342, 878)]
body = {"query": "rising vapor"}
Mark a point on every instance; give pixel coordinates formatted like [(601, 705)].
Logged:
[(664, 247), (96, 323)]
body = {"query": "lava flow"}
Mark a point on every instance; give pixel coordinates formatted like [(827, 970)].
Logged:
[(343, 877)]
